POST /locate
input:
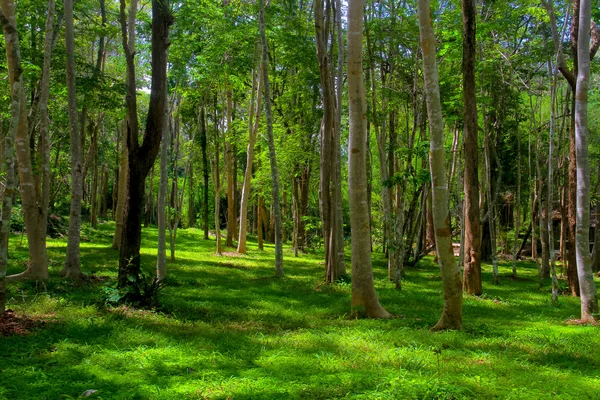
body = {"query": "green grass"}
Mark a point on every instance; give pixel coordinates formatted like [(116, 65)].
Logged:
[(229, 329)]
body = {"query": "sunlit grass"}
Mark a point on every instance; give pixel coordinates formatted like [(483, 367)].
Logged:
[(229, 329)]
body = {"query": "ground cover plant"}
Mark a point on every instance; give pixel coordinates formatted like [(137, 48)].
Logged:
[(227, 328)]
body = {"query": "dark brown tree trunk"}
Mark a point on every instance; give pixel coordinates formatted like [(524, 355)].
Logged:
[(472, 234), (141, 158)]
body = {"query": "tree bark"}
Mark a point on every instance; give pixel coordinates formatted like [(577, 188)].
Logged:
[(364, 298), (588, 293), (142, 157), (472, 234), (34, 199), (230, 171), (330, 175), (271, 144), (72, 267), (161, 259), (452, 313), (203, 143), (12, 45), (253, 129), (122, 189)]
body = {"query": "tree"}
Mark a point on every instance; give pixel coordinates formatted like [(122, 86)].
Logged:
[(252, 129), (364, 298), (161, 258), (142, 157), (330, 175), (72, 267), (588, 293), (271, 143), (472, 234), (34, 191), (452, 313), (8, 21)]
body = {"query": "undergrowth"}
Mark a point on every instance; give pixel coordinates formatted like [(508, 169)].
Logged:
[(227, 328)]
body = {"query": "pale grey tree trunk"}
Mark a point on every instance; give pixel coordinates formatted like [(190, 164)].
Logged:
[(452, 313), (72, 267), (252, 130), (271, 143), (589, 295), (364, 298), (161, 260)]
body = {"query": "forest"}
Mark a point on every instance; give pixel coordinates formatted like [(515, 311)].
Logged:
[(304, 199)]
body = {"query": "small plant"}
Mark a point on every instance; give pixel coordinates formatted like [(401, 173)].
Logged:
[(142, 291)]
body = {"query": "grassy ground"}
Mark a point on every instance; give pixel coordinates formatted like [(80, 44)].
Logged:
[(231, 330)]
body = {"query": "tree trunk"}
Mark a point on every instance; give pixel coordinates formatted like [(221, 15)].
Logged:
[(122, 190), (203, 143), (259, 218), (596, 248), (34, 200), (364, 298), (588, 293), (217, 186), (452, 313), (252, 130), (330, 175), (72, 267), (472, 233), (230, 171), (161, 260), (12, 44), (271, 143), (141, 158)]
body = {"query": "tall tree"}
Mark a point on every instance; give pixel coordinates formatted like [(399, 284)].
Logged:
[(472, 222), (252, 131), (161, 259), (330, 175), (364, 298), (588, 293), (142, 157), (72, 267), (34, 191), (14, 64), (271, 143), (452, 313)]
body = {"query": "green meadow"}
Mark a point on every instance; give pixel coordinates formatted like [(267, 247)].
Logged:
[(228, 329)]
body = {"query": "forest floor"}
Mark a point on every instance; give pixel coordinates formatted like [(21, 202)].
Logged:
[(228, 329)]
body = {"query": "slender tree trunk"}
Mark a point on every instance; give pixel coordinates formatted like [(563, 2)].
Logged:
[(217, 186), (588, 293), (122, 190), (517, 207), (260, 227), (12, 45), (330, 186), (271, 143), (452, 314), (72, 267), (472, 233), (203, 143), (161, 260), (596, 248), (253, 129), (230, 172)]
